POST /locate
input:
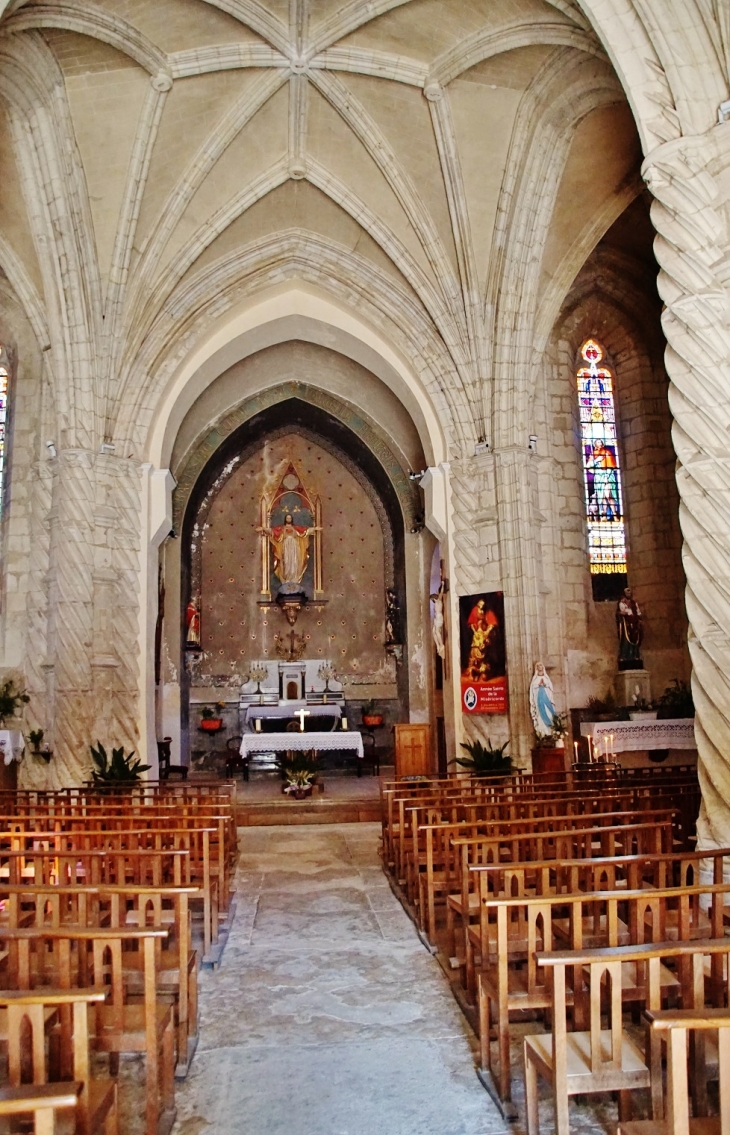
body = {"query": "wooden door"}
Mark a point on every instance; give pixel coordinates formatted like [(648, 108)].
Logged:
[(413, 750)]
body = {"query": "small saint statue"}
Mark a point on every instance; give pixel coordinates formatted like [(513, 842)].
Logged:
[(291, 551), (542, 701), (392, 618), (192, 625), (437, 629), (630, 632)]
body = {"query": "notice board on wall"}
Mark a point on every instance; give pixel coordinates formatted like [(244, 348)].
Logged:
[(483, 655)]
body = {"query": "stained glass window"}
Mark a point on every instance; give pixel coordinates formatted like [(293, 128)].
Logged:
[(601, 474), (3, 425)]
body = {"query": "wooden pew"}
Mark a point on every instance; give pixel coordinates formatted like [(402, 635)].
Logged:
[(196, 841), (600, 1060), (582, 838), (96, 1099), (479, 882), (34, 957), (126, 907), (675, 1024), (512, 930), (40, 1101)]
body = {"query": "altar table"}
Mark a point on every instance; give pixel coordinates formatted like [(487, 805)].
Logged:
[(289, 711), (12, 744), (280, 742), (633, 736)]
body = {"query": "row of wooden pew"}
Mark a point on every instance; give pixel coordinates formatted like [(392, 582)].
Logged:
[(578, 902), (109, 902)]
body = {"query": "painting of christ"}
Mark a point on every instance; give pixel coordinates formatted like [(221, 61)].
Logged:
[(483, 659)]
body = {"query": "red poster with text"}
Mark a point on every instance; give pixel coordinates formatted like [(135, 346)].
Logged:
[(483, 657)]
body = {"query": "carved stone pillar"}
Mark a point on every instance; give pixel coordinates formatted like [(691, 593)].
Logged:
[(517, 554), (71, 607), (693, 252)]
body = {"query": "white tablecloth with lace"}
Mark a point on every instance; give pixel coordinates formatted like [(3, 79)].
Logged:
[(633, 736), (280, 742), (12, 744)]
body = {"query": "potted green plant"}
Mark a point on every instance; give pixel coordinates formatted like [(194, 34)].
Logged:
[(120, 769), (485, 760), (371, 715), (36, 738), (11, 700), (676, 701), (210, 719)]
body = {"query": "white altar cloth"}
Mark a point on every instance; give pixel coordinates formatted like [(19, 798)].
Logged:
[(289, 710), (278, 742), (632, 736), (12, 744)]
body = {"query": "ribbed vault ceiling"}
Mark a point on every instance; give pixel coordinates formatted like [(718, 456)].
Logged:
[(407, 143)]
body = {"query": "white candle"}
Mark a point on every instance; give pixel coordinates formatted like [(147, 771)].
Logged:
[(575, 746), (344, 722), (258, 725)]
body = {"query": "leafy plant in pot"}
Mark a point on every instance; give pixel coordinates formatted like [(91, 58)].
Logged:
[(210, 719), (485, 760), (11, 700), (299, 772), (120, 769), (371, 715), (676, 701), (36, 737)]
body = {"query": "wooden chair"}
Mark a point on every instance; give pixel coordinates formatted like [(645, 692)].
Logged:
[(66, 1012), (606, 1060), (675, 1024), (235, 761), (163, 759), (42, 1101), (73, 957)]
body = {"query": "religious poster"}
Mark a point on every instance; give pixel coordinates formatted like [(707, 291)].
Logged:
[(483, 657)]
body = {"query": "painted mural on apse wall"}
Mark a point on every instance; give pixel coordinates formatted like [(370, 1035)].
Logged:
[(483, 657)]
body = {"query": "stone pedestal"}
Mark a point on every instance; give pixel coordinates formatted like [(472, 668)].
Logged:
[(625, 685)]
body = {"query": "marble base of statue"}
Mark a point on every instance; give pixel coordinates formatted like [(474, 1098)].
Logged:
[(626, 683)]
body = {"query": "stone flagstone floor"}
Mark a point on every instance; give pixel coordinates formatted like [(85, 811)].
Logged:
[(328, 1015)]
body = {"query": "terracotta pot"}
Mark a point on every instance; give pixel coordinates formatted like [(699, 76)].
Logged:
[(211, 724), (372, 719)]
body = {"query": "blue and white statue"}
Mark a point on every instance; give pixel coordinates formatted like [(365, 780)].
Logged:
[(542, 701)]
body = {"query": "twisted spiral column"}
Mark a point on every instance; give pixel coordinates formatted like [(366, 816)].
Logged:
[(470, 557), (36, 773), (125, 496), (71, 606), (692, 249)]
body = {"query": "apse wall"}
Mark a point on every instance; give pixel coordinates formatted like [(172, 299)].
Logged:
[(348, 628)]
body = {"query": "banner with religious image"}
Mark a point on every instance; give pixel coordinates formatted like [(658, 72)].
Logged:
[(483, 657)]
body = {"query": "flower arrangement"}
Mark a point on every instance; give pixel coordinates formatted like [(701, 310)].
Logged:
[(11, 699), (299, 771)]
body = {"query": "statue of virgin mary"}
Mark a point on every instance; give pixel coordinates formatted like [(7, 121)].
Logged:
[(542, 701)]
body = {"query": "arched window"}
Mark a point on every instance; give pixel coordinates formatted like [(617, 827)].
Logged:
[(601, 474)]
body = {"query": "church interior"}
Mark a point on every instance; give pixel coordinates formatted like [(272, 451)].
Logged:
[(364, 566)]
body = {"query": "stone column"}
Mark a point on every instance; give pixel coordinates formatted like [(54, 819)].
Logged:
[(516, 518), (693, 252), (71, 611)]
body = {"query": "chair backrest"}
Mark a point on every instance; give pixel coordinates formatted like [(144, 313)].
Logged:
[(164, 756)]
